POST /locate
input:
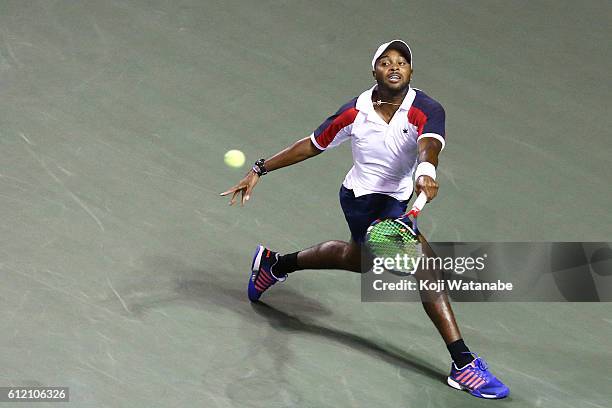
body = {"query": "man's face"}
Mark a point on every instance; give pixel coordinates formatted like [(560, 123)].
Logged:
[(392, 70)]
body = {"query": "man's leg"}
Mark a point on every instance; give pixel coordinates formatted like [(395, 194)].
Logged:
[(440, 312), (436, 304), (468, 371), (326, 255), (269, 267)]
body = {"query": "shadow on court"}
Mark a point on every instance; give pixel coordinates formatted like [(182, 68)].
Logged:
[(282, 321), (170, 281)]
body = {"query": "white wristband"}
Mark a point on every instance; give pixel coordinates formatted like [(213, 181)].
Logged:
[(425, 169)]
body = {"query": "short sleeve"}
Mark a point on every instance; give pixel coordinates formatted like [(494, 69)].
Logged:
[(428, 116), (337, 128)]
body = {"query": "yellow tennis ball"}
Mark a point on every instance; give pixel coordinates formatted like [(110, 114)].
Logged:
[(234, 158)]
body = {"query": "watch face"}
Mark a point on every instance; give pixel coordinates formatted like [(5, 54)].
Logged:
[(260, 166)]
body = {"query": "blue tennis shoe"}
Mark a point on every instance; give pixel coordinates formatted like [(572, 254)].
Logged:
[(476, 379), (262, 277)]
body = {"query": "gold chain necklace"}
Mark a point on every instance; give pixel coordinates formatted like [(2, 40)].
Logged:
[(379, 102)]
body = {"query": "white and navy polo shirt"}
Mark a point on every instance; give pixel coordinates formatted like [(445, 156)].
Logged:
[(384, 154)]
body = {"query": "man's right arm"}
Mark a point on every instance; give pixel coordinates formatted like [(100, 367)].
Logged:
[(332, 132), (297, 152)]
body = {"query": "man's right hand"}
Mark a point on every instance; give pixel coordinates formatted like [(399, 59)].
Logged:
[(300, 150), (244, 186)]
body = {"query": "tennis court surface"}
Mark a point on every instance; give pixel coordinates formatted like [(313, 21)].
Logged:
[(124, 273)]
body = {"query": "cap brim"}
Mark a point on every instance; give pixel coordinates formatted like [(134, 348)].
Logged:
[(398, 45)]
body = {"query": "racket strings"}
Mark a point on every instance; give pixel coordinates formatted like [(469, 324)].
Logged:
[(389, 238)]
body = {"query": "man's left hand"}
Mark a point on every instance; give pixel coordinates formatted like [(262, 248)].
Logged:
[(428, 185)]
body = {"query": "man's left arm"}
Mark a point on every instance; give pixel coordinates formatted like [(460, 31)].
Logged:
[(425, 175)]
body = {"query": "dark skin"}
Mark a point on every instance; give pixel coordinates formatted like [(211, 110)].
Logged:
[(393, 74)]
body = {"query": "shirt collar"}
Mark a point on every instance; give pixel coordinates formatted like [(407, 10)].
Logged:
[(364, 101)]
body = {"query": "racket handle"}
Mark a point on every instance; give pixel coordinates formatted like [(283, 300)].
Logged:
[(418, 205)]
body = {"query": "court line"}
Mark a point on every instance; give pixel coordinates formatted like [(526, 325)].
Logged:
[(110, 285), (68, 293), (61, 183)]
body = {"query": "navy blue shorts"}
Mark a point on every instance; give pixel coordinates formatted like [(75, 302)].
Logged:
[(362, 211)]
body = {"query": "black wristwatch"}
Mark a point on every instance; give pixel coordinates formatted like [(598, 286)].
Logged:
[(259, 168)]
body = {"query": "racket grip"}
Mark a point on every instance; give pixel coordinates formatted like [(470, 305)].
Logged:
[(418, 205)]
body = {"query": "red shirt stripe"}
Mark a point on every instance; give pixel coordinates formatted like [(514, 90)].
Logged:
[(343, 120), (418, 118)]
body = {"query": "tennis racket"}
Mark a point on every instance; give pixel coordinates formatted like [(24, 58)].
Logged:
[(390, 237)]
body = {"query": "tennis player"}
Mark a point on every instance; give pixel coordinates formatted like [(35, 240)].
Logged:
[(396, 134)]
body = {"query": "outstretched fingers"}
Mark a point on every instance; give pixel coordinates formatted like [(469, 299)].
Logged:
[(247, 194), (234, 191), (244, 187), (231, 190), (233, 200)]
